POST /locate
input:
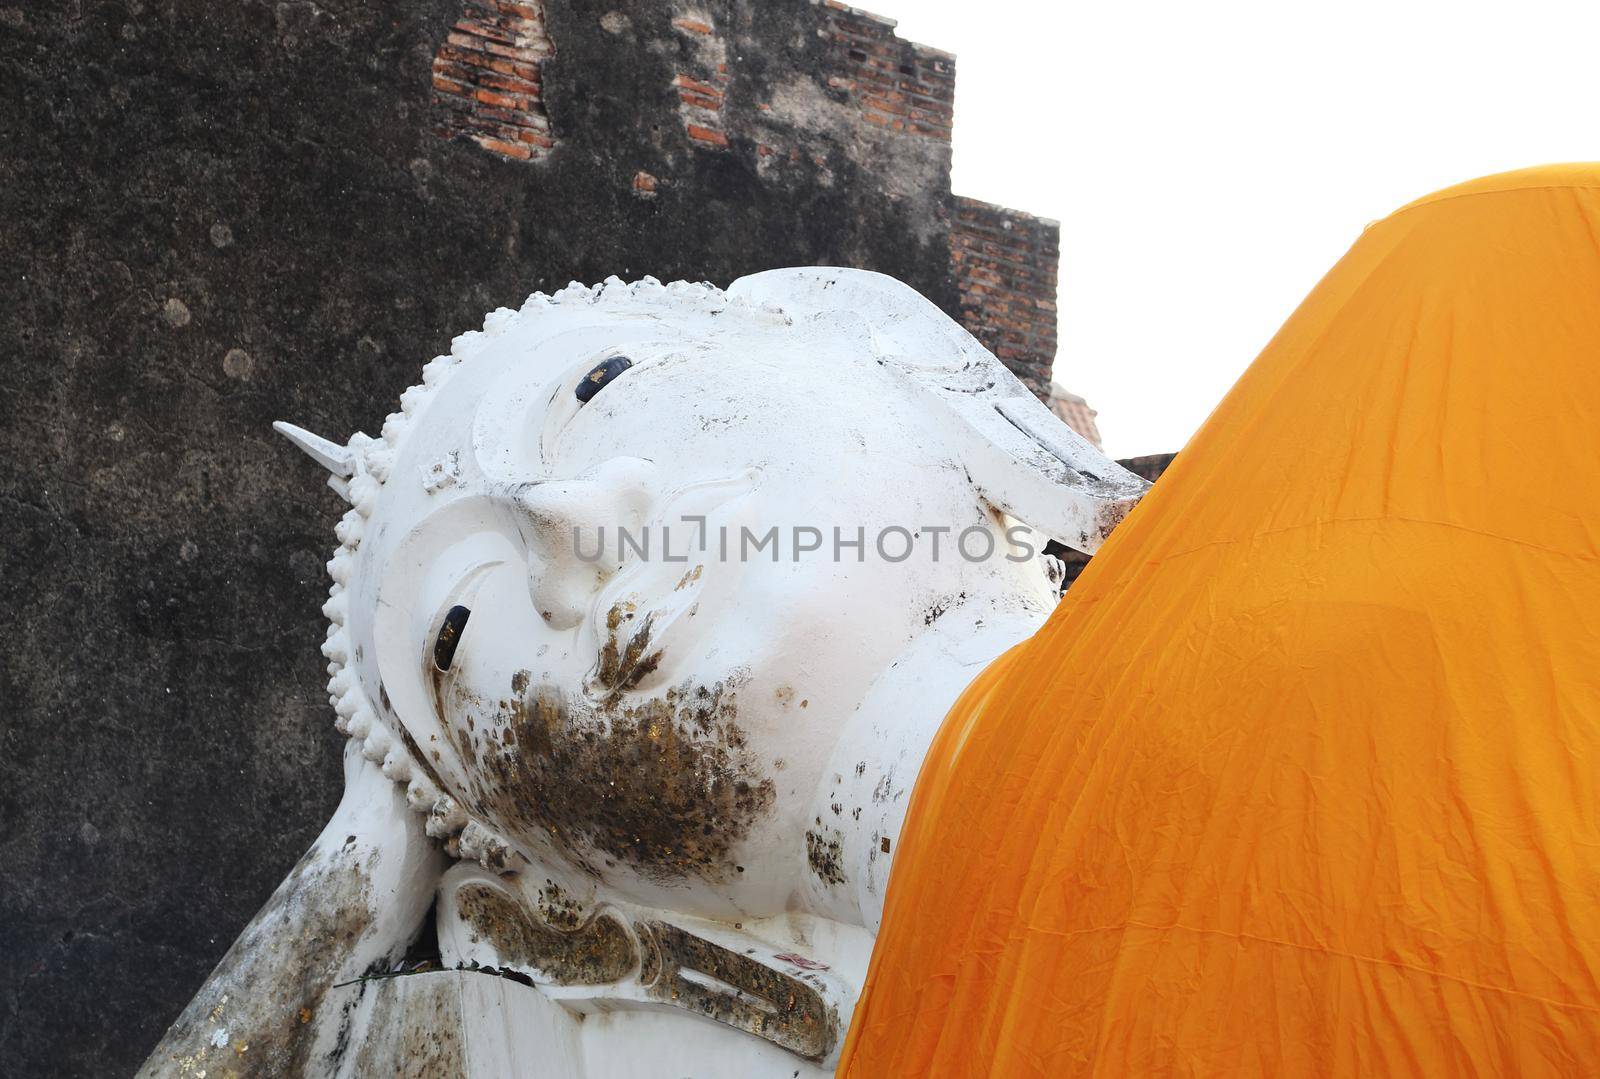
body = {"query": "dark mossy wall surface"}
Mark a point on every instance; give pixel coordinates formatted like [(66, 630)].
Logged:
[(214, 215)]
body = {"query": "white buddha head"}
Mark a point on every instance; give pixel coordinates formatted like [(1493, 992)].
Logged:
[(620, 574)]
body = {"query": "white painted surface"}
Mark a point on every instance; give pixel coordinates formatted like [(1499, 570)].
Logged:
[(802, 399)]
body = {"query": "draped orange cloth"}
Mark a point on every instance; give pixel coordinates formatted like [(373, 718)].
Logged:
[(1303, 776)]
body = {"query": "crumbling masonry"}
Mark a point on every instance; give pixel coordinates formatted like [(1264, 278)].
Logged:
[(870, 88)]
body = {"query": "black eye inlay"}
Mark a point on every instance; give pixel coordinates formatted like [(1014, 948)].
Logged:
[(444, 646), (601, 377)]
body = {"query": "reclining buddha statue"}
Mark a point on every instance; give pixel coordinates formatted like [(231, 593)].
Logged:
[(654, 602), (646, 608)]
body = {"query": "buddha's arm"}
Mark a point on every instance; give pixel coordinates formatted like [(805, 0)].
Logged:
[(276, 1004)]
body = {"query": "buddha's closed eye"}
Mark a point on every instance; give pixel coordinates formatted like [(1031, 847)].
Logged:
[(600, 376), (449, 637)]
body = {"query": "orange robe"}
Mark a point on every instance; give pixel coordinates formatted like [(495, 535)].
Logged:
[(1303, 777)]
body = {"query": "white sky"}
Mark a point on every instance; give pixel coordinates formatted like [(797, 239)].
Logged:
[(1209, 162)]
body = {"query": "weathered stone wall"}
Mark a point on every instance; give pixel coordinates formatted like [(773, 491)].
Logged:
[(219, 214), (896, 84)]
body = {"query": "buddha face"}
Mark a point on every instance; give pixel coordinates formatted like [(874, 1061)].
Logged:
[(632, 571)]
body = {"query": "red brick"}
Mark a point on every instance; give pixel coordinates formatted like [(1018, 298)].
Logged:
[(510, 52), (509, 149), (509, 83), (699, 101), (456, 54), (687, 82), (530, 72), (706, 135), (495, 113), (486, 30), (465, 41), (504, 101), (452, 70)]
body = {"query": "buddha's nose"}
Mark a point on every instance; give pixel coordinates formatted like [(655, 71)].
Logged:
[(573, 529)]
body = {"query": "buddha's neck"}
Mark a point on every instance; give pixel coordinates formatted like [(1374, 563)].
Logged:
[(853, 827)]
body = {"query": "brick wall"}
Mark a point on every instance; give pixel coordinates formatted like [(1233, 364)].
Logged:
[(895, 83), (487, 78), (1005, 268), (882, 102), (702, 79), (873, 77)]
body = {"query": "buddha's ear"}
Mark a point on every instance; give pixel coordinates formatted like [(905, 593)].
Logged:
[(1021, 458)]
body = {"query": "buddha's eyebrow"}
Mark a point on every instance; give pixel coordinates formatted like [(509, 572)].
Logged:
[(560, 410)]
